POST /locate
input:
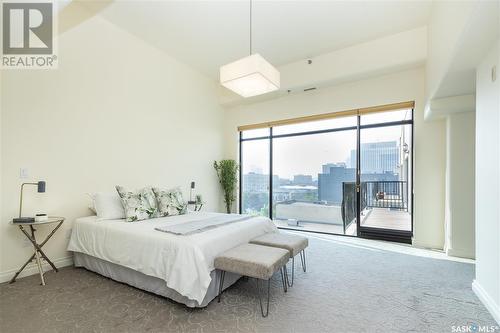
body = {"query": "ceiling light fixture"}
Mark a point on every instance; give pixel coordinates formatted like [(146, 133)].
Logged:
[(252, 75)]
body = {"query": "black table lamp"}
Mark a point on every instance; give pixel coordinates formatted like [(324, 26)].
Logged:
[(40, 189), (191, 199)]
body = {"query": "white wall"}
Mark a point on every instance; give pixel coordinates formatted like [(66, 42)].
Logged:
[(460, 186), (447, 22), (487, 282), (117, 111), (429, 142)]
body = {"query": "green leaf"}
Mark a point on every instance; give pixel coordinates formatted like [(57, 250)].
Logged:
[(227, 172)]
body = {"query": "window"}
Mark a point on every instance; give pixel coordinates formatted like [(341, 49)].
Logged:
[(307, 173), (255, 177)]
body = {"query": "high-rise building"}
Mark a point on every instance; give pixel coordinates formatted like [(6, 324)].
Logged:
[(330, 182), (326, 167), (378, 157), (257, 182), (302, 180)]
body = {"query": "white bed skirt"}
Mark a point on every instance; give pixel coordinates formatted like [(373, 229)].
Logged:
[(149, 283)]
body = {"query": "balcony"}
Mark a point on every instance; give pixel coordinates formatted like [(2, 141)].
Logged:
[(384, 205)]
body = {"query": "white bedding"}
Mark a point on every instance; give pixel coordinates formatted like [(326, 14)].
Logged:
[(184, 262)]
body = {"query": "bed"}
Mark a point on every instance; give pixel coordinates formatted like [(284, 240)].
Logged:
[(180, 267)]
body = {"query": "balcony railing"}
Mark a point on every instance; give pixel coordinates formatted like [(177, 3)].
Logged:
[(374, 194), (387, 194)]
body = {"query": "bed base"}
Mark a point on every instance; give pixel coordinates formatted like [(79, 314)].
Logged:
[(150, 283)]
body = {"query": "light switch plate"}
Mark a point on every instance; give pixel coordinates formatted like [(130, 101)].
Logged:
[(23, 173)]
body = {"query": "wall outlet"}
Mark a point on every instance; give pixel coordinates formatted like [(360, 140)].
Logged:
[(23, 173)]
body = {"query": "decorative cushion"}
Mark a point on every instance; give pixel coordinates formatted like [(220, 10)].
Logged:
[(170, 202), (108, 205), (292, 243), (91, 202), (139, 205), (252, 260)]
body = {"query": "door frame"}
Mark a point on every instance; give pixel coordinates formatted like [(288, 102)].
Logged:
[(401, 236)]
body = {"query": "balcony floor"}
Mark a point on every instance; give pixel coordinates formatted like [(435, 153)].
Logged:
[(387, 219), (373, 218)]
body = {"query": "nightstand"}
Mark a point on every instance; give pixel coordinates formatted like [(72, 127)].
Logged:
[(56, 222)]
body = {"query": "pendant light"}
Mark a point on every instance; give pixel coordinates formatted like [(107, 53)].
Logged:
[(252, 75)]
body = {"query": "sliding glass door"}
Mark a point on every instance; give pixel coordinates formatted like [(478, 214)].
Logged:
[(306, 176), (385, 175)]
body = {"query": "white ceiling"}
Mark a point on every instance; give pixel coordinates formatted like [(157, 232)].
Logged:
[(208, 34)]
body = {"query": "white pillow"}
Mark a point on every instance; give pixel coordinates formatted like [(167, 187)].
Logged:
[(91, 203), (108, 206)]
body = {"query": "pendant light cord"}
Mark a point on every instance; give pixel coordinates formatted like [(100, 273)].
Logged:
[(250, 27)]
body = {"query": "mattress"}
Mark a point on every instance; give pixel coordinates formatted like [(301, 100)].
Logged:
[(185, 263)]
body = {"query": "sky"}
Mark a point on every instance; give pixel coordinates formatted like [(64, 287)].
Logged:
[(306, 154)]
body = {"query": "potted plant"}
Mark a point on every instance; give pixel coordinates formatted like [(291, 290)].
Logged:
[(198, 199), (227, 172)]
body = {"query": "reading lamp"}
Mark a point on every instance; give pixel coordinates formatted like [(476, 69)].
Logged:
[(40, 189), (191, 200)]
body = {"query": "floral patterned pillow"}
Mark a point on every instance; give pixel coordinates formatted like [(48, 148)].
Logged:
[(139, 205), (170, 202)]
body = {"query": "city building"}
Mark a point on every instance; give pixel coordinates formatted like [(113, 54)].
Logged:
[(330, 182), (378, 157), (326, 167), (302, 180), (257, 182)]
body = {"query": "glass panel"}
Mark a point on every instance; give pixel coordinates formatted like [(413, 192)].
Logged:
[(386, 117), (315, 182), (386, 177), (316, 125), (255, 182), (255, 133)]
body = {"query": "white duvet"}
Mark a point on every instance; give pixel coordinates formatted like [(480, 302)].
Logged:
[(184, 262)]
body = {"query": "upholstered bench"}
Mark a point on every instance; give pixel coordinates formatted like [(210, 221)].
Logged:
[(256, 261), (293, 243)]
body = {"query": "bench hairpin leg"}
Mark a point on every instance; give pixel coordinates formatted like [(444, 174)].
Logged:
[(293, 272), (264, 314), (286, 275), (303, 259), (221, 284), (283, 278)]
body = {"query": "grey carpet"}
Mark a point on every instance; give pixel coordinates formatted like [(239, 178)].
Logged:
[(346, 289)]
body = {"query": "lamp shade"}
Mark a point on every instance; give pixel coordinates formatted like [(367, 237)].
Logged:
[(41, 186), (250, 76)]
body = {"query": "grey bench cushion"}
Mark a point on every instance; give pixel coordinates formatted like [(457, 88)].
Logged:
[(252, 260), (292, 243)]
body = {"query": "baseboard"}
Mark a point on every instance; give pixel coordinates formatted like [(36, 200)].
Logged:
[(488, 302), (423, 245), (460, 253), (33, 269)]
